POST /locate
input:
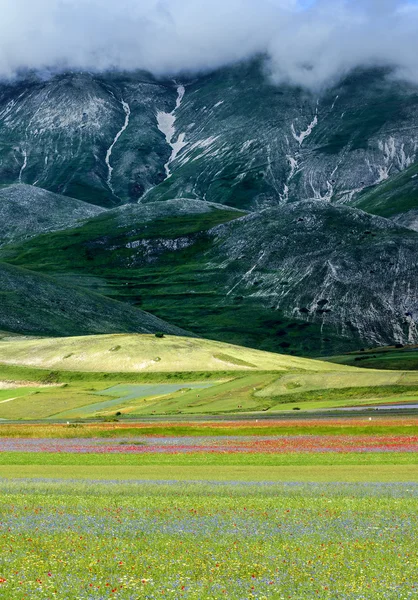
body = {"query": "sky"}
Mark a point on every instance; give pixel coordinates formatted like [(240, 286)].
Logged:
[(307, 42)]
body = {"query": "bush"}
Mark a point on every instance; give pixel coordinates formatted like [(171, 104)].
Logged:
[(159, 334)]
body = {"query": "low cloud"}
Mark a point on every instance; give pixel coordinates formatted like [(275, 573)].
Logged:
[(309, 46)]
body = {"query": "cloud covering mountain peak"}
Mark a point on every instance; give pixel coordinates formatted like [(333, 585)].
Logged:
[(307, 45)]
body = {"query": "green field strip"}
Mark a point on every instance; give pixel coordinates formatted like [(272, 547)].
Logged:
[(207, 459), (43, 403), (8, 393), (362, 425), (381, 473), (404, 399)]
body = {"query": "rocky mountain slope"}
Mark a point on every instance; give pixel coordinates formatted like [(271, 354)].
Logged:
[(65, 135), (250, 144), (263, 215), (26, 211), (306, 277), (230, 136)]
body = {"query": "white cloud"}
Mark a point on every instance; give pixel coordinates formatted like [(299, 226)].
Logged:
[(309, 47)]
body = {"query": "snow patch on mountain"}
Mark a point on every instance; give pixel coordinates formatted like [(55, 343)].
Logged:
[(166, 124), (127, 111)]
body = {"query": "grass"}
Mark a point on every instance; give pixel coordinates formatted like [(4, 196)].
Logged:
[(301, 383), (56, 393), (394, 473), (87, 399), (386, 358), (42, 403), (84, 541), (228, 397), (18, 373), (242, 380), (147, 353), (202, 459), (8, 394)]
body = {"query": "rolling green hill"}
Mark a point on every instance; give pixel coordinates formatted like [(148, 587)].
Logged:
[(34, 304), (148, 353), (136, 376)]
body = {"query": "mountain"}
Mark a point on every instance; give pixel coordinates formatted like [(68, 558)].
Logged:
[(308, 277), (34, 304), (253, 145), (26, 211), (264, 215), (64, 135), (230, 136)]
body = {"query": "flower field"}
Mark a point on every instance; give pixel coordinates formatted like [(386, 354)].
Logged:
[(270, 427), (217, 444), (93, 541), (205, 511)]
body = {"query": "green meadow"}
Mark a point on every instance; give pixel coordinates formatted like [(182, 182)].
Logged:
[(92, 540), (94, 505)]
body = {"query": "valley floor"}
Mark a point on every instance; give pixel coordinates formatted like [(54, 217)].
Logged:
[(207, 484), (296, 509)]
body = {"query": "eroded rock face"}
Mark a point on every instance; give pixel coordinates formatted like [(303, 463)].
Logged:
[(255, 145), (327, 264), (92, 138)]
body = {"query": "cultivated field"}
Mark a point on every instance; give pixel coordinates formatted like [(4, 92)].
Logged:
[(137, 376), (275, 510), (199, 541)]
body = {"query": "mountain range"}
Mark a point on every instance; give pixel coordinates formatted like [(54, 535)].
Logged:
[(225, 205)]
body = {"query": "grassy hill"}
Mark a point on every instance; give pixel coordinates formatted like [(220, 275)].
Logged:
[(34, 304), (395, 198), (387, 358), (288, 280), (148, 353)]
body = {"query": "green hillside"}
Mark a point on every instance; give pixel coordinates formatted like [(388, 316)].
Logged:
[(34, 304), (402, 358), (395, 198), (148, 353), (299, 279)]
